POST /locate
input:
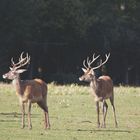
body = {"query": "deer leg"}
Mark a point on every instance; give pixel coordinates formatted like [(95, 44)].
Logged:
[(113, 107), (43, 105), (23, 115), (97, 109), (47, 123), (29, 115), (105, 107)]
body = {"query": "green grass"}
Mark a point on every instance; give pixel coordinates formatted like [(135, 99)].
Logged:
[(72, 115)]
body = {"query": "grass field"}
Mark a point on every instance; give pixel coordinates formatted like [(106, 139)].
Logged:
[(72, 115)]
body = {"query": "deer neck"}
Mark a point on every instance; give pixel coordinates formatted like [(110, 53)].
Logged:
[(94, 83), (17, 84), (94, 86)]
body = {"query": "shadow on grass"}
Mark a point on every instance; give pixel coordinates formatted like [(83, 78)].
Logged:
[(8, 121), (16, 115), (96, 130), (106, 130)]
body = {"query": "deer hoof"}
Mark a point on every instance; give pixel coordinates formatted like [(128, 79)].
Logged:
[(98, 125), (103, 126), (22, 127), (116, 125), (47, 127), (30, 127)]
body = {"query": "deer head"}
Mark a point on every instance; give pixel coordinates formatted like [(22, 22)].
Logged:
[(15, 69), (89, 73)]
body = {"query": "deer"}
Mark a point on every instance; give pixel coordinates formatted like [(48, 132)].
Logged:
[(101, 88), (28, 91)]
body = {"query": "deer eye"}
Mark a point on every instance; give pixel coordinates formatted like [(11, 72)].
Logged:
[(13, 72), (88, 74)]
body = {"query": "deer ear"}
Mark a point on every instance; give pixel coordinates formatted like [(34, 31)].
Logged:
[(92, 72), (21, 70), (84, 70), (10, 68)]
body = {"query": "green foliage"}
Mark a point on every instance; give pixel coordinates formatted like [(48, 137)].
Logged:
[(72, 115), (66, 31), (61, 20)]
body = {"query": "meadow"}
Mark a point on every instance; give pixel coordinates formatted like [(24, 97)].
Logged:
[(72, 115)]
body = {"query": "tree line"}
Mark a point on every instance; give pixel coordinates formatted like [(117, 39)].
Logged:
[(60, 34)]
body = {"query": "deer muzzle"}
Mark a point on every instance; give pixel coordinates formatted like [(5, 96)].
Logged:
[(81, 78), (4, 76)]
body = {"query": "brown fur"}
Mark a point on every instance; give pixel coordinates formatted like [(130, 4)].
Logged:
[(105, 87), (30, 91), (102, 89), (34, 90)]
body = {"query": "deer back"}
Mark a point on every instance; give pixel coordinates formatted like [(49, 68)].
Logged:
[(104, 87), (34, 90)]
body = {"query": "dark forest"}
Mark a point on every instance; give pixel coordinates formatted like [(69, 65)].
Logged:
[(59, 35)]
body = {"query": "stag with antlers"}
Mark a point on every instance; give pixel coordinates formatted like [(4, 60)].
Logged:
[(28, 91), (102, 87)]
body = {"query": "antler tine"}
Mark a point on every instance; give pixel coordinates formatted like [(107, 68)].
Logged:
[(84, 64), (93, 59), (88, 62), (107, 56), (21, 56), (25, 60), (102, 63), (28, 58), (22, 61), (12, 61)]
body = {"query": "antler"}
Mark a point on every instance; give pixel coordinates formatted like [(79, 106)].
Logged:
[(89, 62), (12, 60), (102, 63), (84, 64), (22, 61)]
